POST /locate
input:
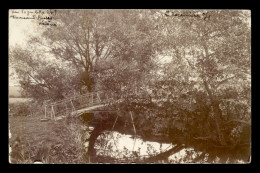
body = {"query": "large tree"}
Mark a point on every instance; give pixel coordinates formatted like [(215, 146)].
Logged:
[(104, 43), (110, 49), (211, 56)]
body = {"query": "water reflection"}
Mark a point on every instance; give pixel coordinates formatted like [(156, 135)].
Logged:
[(112, 144), (115, 147)]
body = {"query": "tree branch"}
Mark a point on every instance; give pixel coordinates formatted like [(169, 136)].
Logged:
[(163, 155), (225, 80), (239, 121), (202, 138)]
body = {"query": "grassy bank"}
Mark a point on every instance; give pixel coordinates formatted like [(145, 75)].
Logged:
[(49, 142)]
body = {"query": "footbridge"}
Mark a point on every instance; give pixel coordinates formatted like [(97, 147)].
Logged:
[(91, 102), (77, 105)]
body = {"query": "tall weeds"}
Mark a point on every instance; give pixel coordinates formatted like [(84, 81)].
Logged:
[(48, 142)]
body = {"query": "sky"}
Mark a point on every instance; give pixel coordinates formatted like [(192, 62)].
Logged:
[(19, 31)]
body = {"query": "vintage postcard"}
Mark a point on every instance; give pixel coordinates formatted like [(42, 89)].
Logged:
[(161, 86)]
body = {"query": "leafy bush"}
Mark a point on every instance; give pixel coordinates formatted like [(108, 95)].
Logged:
[(20, 152), (19, 109)]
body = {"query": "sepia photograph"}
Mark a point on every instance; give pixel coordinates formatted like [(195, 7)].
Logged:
[(129, 86)]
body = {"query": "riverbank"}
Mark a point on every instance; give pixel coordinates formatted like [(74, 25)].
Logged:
[(49, 142)]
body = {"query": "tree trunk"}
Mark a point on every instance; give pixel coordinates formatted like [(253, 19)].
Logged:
[(91, 151), (217, 114), (99, 128), (164, 155), (214, 103)]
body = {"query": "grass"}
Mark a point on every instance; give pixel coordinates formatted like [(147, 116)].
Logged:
[(48, 142), (18, 100), (15, 91)]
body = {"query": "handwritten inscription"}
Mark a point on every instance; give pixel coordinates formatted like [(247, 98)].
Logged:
[(204, 15), (45, 17)]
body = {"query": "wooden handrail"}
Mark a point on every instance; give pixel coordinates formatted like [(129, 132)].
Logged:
[(73, 98), (93, 99), (68, 99)]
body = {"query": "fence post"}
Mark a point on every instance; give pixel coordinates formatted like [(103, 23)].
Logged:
[(73, 108), (92, 97), (98, 98), (45, 111), (53, 112)]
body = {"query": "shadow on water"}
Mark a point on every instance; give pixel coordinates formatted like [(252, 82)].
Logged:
[(112, 142)]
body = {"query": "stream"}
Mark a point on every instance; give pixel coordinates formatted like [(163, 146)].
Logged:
[(127, 148), (116, 145), (105, 145)]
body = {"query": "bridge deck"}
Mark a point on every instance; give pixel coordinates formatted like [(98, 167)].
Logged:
[(87, 109), (84, 110)]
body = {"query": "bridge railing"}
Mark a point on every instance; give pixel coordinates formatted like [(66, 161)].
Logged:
[(70, 105)]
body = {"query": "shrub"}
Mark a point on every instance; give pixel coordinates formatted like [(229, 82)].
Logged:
[(19, 109)]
